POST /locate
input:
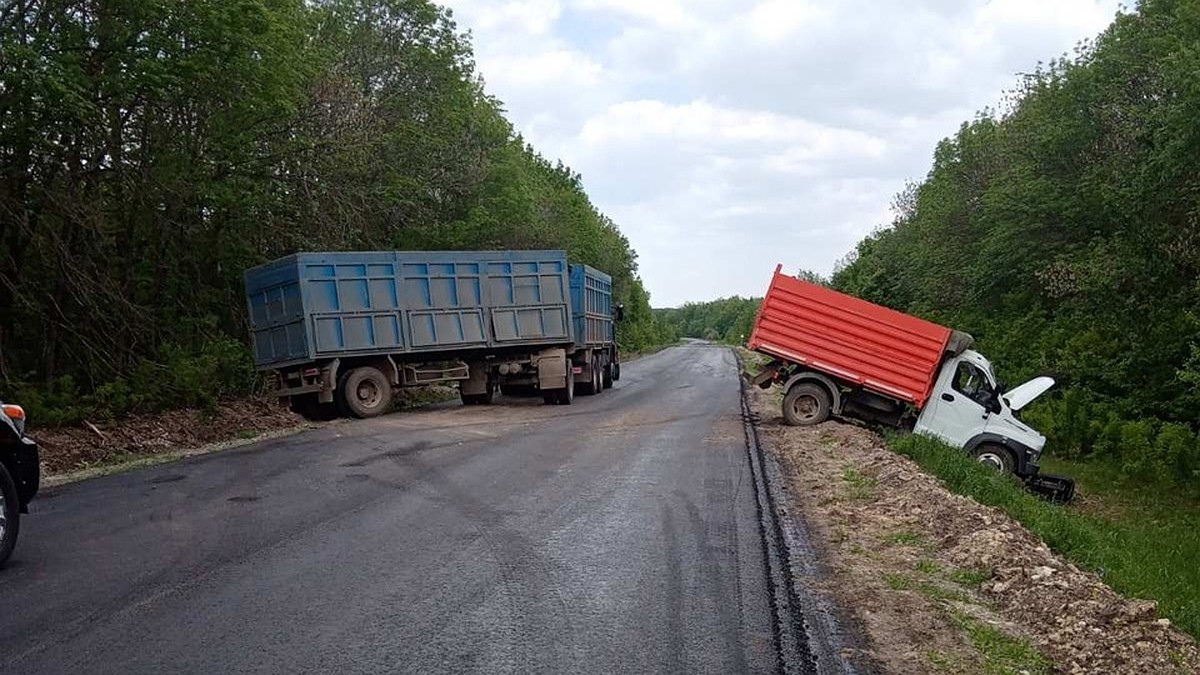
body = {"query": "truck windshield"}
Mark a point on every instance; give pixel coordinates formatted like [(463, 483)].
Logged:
[(971, 381)]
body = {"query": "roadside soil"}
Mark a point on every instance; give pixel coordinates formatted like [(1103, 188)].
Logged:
[(941, 584), (136, 438)]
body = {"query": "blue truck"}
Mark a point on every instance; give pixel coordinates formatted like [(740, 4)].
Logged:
[(341, 331)]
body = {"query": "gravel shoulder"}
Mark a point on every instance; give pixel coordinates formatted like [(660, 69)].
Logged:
[(938, 583)]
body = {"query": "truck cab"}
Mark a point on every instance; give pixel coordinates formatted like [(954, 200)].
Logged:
[(20, 475), (967, 409)]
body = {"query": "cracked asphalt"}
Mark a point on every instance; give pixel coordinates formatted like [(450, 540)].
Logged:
[(615, 535)]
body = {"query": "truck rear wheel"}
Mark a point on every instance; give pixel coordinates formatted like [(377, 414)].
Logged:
[(996, 456), (479, 399), (310, 408), (564, 396), (10, 515), (606, 375), (593, 386), (806, 404), (366, 392)]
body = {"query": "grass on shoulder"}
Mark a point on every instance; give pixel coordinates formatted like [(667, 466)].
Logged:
[(1141, 546)]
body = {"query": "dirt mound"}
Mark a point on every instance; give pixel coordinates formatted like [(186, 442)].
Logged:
[(940, 583), (71, 448)]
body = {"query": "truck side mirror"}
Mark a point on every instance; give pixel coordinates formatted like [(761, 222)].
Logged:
[(619, 312), (993, 405)]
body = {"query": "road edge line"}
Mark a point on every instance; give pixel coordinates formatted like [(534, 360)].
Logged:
[(809, 634)]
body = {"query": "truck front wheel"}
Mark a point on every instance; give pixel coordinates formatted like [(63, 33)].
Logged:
[(995, 456), (806, 404), (366, 392), (10, 515)]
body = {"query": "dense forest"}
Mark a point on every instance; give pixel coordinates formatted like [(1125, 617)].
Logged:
[(150, 152), (725, 320), (1063, 231)]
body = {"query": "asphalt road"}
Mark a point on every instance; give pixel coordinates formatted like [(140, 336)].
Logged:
[(615, 535)]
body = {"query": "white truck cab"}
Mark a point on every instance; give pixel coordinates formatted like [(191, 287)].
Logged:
[(967, 410)]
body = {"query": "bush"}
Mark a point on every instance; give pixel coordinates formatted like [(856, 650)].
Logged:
[(178, 378)]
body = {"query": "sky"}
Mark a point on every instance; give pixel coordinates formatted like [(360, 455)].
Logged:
[(724, 137)]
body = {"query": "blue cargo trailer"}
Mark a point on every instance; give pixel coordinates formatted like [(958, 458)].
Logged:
[(348, 328)]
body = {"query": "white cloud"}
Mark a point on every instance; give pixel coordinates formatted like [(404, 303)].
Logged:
[(725, 136), (776, 20), (670, 14), (553, 67), (702, 122)]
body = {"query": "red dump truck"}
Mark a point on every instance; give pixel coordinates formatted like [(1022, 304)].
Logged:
[(834, 354)]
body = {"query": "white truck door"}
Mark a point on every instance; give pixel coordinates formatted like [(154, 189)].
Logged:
[(957, 411)]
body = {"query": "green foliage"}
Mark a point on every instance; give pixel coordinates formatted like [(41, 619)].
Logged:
[(1063, 232), (1148, 551), (727, 320), (150, 152)]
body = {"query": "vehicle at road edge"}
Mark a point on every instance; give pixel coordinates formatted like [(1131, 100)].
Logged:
[(341, 331), (835, 354), (20, 475)]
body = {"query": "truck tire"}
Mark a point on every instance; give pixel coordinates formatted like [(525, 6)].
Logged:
[(592, 387), (308, 407), (607, 375), (564, 396), (997, 457), (479, 399), (597, 378), (806, 404), (366, 392), (10, 515)]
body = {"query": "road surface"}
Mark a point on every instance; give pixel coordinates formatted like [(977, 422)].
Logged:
[(615, 535)]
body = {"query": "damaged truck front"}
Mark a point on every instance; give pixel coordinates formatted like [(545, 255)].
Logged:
[(834, 354)]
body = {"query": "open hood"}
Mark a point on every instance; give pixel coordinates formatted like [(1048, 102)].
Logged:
[(1019, 397)]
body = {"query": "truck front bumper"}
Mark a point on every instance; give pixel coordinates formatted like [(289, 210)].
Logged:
[(23, 462)]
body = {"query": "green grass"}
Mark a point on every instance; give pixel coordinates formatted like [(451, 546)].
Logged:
[(906, 538), (860, 486), (1143, 544), (969, 578), (898, 582), (1002, 653)]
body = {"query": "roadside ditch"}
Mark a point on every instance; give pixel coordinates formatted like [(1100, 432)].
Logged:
[(893, 573)]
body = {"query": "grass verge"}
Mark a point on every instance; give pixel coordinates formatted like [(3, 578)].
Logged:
[(1140, 546)]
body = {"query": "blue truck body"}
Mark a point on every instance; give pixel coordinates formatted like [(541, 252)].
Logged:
[(327, 311), (591, 306), (312, 305)]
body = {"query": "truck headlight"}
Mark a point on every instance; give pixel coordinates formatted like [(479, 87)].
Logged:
[(17, 414)]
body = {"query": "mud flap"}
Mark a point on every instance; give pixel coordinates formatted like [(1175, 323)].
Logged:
[(476, 383), (1057, 489), (553, 369)]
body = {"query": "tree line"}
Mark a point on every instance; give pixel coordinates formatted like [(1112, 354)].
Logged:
[(150, 152), (727, 320), (1063, 231)]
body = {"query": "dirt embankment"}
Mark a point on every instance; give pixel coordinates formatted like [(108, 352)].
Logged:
[(939, 583), (68, 449), (95, 445)]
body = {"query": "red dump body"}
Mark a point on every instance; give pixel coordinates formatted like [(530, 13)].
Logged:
[(850, 339)]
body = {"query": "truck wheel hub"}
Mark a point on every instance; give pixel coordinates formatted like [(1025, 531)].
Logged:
[(805, 407), (992, 459), (368, 393)]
